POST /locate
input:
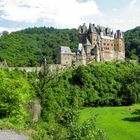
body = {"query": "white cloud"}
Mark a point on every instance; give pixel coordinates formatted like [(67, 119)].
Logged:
[(130, 16), (124, 18), (70, 13), (9, 29), (132, 4), (62, 13)]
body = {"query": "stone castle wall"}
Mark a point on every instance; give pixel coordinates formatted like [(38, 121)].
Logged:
[(50, 67)]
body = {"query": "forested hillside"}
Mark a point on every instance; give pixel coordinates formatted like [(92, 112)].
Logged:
[(132, 43), (100, 84), (29, 47)]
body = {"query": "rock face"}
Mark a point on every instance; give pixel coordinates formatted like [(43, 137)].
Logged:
[(36, 110), (11, 135)]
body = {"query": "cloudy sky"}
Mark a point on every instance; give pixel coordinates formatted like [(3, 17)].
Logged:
[(117, 14)]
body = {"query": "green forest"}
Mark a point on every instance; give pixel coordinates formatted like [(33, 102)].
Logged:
[(132, 43), (30, 46), (62, 95)]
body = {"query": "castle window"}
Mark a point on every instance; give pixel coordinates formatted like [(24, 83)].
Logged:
[(92, 52), (104, 44), (107, 44), (106, 48)]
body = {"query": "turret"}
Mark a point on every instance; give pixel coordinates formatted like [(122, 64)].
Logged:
[(119, 46), (81, 55), (119, 41), (92, 34), (82, 33)]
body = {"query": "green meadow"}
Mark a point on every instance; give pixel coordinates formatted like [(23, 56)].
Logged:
[(119, 123)]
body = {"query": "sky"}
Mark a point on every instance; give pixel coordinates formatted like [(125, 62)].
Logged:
[(20, 14)]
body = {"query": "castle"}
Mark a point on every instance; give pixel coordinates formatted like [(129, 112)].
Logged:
[(96, 43)]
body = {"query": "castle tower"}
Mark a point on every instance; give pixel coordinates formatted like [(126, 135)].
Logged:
[(85, 38), (82, 33), (65, 56), (99, 54), (81, 55), (92, 34), (106, 47), (87, 48), (119, 46)]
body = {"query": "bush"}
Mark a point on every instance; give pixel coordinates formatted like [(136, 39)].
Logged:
[(15, 94)]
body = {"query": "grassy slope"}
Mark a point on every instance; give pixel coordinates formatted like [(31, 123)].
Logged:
[(119, 123)]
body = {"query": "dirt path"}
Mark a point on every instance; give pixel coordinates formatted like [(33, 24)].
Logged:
[(11, 135)]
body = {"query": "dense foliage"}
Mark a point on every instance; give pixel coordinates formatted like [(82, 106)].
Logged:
[(132, 41), (94, 85), (29, 47), (100, 84), (62, 94), (19, 90), (15, 94)]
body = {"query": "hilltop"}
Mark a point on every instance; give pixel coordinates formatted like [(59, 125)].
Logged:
[(29, 47)]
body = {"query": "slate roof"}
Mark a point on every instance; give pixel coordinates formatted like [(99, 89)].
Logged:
[(65, 50), (87, 42)]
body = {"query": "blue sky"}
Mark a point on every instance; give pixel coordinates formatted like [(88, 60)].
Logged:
[(20, 14)]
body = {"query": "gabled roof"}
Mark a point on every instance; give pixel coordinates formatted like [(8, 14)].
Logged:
[(65, 50)]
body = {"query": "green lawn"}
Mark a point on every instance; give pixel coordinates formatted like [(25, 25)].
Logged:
[(119, 123)]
